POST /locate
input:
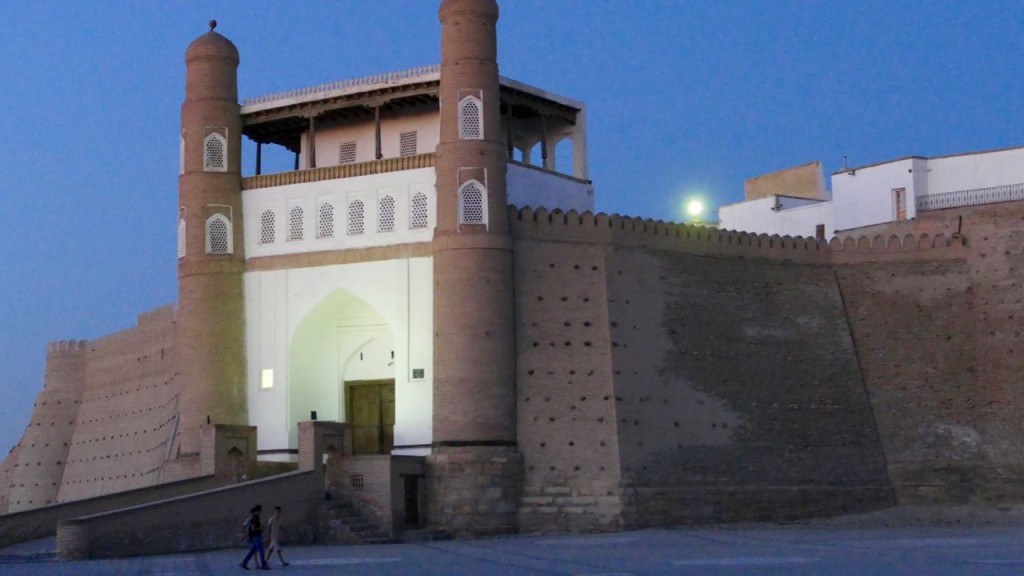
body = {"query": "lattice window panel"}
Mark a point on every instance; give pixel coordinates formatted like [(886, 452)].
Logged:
[(471, 119), (181, 238), (218, 233), (418, 211), (347, 153), (355, 218), (386, 214), (471, 203), (325, 220), (407, 144), (267, 225), (295, 216), (215, 153)]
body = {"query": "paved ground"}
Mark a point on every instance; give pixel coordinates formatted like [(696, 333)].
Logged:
[(872, 545)]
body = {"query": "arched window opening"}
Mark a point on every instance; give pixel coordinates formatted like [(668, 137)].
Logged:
[(386, 214), (418, 211), (355, 218), (472, 203), (564, 157), (295, 224), (218, 235), (325, 220), (181, 238), (471, 118), (535, 155), (215, 153), (267, 226)]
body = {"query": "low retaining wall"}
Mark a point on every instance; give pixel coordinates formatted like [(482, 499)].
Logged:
[(42, 522), (201, 521)]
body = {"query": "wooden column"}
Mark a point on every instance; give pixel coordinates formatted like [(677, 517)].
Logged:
[(510, 137), (376, 133), (311, 163)]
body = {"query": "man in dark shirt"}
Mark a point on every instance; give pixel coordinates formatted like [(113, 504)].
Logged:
[(254, 531)]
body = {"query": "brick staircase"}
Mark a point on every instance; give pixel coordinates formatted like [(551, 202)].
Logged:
[(340, 522)]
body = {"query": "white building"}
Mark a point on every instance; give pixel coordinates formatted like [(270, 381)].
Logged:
[(883, 192), (328, 328)]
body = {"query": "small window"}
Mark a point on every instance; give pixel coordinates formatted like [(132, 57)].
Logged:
[(471, 118), (218, 235), (347, 153), (355, 218), (407, 144), (267, 222), (295, 216), (472, 203), (325, 220), (386, 214), (418, 211), (215, 153), (181, 156), (267, 379), (181, 238)]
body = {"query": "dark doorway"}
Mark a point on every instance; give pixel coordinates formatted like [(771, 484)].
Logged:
[(370, 413), (412, 500)]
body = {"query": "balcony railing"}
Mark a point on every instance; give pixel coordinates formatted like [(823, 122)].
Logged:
[(974, 197), (339, 171)]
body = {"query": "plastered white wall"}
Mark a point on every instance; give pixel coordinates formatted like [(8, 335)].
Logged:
[(426, 123), (972, 171), (309, 326), (794, 216), (536, 189), (864, 197), (402, 185)]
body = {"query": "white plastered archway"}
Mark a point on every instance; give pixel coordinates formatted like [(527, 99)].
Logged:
[(341, 339)]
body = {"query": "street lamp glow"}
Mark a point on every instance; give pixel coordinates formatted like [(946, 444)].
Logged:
[(695, 208)]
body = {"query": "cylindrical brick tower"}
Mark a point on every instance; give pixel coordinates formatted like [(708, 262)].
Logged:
[(475, 469), (35, 481), (210, 347)]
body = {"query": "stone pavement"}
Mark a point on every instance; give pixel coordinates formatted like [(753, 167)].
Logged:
[(813, 548)]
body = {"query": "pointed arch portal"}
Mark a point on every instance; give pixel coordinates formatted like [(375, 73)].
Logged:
[(342, 366)]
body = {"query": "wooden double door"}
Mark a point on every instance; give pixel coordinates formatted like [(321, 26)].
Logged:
[(370, 414)]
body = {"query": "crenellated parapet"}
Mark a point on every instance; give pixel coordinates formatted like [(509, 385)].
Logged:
[(66, 347), (162, 315), (880, 248), (616, 230)]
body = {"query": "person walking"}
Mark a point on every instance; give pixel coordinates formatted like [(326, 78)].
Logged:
[(254, 531), (276, 535)]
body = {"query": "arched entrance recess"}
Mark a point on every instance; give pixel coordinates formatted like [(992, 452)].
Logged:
[(342, 366)]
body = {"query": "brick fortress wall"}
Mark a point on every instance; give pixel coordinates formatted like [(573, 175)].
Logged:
[(670, 374), (941, 345), (128, 411)]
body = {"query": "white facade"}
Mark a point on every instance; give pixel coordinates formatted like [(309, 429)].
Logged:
[(891, 191), (375, 225), (317, 328), (528, 186), (782, 215)]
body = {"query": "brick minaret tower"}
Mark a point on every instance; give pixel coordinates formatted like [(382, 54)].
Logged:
[(210, 347), (475, 470)]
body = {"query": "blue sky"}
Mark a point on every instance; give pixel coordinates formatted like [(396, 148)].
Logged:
[(684, 98)]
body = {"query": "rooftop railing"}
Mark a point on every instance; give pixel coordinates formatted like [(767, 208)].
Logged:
[(339, 171), (345, 85), (973, 197)]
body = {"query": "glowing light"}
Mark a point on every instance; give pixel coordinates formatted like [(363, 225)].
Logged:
[(695, 208)]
